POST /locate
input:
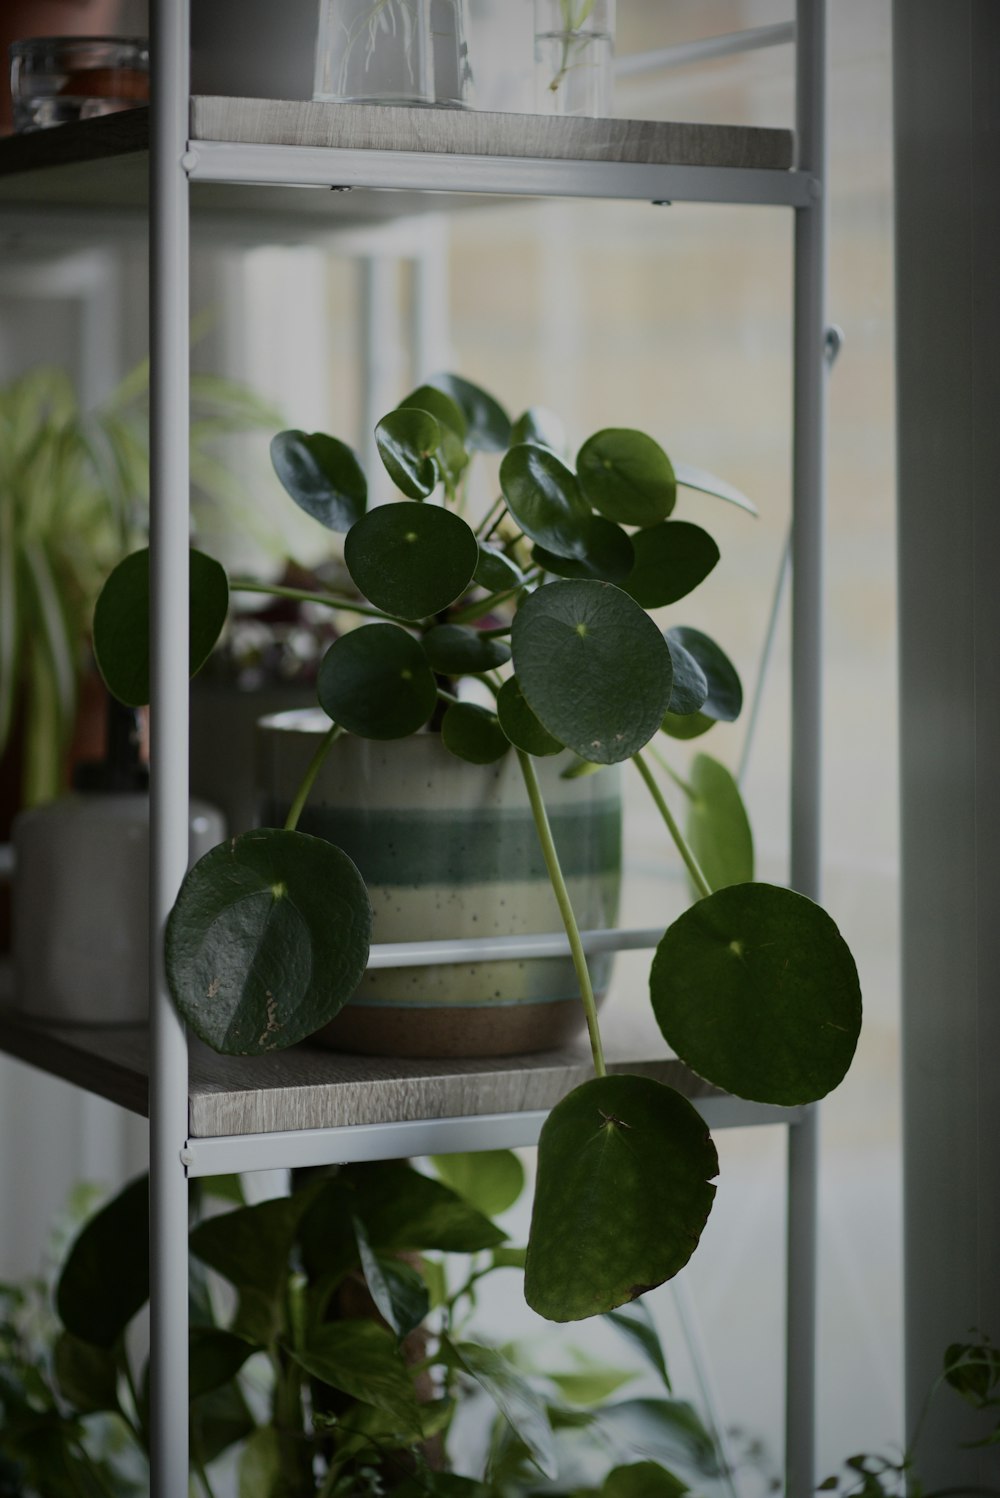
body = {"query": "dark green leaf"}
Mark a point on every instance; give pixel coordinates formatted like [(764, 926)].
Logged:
[(593, 668), (457, 650), (361, 1359), (216, 1356), (267, 941), (376, 682), (627, 476), (690, 687), (755, 988), (399, 1293), (323, 476), (472, 733), (121, 622), (219, 1420), (411, 561), (624, 1172), (516, 1400), (260, 1464), (660, 1430), (520, 724), (686, 726), (87, 1375), (609, 554), (636, 1324), (545, 500), (643, 1480), (725, 694), (250, 1247), (591, 1386), (488, 425), (698, 478), (541, 427), (491, 1180), (441, 1485), (509, 1258), (400, 1208), (407, 442), (718, 828), (442, 407), (105, 1279), (496, 572), (671, 559)]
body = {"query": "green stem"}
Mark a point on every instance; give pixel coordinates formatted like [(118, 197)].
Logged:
[(491, 519), (701, 883), (303, 595), (565, 908), (302, 794), (445, 696), (496, 633), (473, 611), (678, 780), (202, 1476)]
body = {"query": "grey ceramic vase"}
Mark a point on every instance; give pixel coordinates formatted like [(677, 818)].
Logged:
[(449, 850)]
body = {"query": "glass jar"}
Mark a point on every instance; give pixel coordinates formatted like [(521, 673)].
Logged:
[(54, 79), (393, 52), (574, 55)]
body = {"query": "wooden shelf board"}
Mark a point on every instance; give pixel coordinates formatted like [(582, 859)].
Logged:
[(311, 1088), (101, 165)]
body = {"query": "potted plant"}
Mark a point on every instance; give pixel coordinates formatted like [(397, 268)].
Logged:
[(753, 986), (348, 1360)]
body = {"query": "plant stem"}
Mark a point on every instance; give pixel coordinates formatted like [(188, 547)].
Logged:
[(476, 610), (492, 518), (303, 595), (678, 780), (302, 794), (565, 908), (701, 883), (445, 696), (203, 1479), (496, 633)]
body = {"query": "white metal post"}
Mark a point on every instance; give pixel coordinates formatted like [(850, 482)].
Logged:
[(807, 653), (169, 735)]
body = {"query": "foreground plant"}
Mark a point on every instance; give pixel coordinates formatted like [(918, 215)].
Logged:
[(545, 604), (345, 1362)]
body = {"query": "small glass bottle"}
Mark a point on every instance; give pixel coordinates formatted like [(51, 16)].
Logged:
[(393, 52), (574, 57)]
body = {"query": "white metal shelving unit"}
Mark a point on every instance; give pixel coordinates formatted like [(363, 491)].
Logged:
[(232, 161)]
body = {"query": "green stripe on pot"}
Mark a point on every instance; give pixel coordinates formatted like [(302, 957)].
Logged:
[(412, 848)]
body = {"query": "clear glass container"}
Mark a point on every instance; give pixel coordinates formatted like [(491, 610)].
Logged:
[(393, 52), (54, 79), (574, 56)]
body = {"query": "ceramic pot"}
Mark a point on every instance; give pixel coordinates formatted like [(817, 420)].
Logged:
[(449, 850)]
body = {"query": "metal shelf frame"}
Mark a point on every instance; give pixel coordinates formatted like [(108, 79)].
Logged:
[(175, 164)]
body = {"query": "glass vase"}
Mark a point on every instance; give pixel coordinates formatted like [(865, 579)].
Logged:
[(393, 52), (574, 55)]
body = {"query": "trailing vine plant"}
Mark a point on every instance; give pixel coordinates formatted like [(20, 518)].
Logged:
[(753, 986)]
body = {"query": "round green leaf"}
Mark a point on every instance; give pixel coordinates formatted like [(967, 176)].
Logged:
[(491, 1180), (757, 991), (593, 668), (472, 733), (323, 476), (624, 1189), (411, 560), (121, 622), (446, 412), (487, 423), (725, 694), (718, 828), (267, 940), (643, 1480), (671, 559), (540, 426), (457, 650), (686, 725), (376, 682), (496, 572), (407, 441), (105, 1279), (610, 555), (690, 687), (545, 500), (520, 724), (627, 476)]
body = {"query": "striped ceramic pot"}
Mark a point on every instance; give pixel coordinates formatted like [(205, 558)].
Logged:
[(449, 850)]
